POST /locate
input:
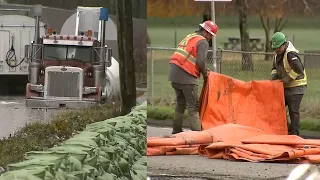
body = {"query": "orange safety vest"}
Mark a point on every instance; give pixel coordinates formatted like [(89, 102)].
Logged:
[(185, 54)]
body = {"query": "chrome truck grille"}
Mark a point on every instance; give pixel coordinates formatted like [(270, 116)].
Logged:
[(63, 83)]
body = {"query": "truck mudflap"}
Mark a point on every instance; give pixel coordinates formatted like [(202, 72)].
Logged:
[(55, 104)]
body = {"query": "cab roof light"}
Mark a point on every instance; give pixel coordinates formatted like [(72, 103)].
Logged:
[(50, 31), (89, 33)]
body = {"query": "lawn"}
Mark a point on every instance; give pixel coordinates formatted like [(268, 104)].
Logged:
[(304, 39), (163, 94)]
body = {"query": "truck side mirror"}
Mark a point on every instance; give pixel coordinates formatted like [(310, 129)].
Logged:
[(109, 57)]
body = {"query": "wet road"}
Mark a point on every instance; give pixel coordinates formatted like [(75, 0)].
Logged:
[(14, 114), (198, 167)]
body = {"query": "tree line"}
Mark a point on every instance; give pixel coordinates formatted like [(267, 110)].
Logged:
[(174, 8), (273, 16)]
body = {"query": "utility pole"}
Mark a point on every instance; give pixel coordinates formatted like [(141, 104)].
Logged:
[(126, 61)]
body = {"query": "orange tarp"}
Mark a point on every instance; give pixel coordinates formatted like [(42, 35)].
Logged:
[(241, 121), (258, 104)]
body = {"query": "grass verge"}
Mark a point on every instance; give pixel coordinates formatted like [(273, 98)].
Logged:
[(38, 135), (167, 112)]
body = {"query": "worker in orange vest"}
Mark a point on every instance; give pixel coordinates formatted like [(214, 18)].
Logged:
[(187, 63)]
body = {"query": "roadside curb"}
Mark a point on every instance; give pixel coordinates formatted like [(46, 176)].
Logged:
[(168, 123)]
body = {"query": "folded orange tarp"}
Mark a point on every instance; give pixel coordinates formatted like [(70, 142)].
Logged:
[(259, 151), (241, 121), (237, 142), (227, 132), (258, 104)]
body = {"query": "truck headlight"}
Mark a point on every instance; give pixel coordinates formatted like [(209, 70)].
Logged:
[(36, 87), (89, 90)]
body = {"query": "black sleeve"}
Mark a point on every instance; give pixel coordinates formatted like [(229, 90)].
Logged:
[(202, 50), (274, 74), (295, 62)]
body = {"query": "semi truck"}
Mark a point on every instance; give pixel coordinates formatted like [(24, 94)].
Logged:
[(67, 70), (88, 18)]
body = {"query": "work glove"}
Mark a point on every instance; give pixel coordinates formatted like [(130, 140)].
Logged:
[(205, 76), (274, 77)]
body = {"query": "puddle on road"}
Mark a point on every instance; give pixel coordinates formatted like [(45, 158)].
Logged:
[(6, 102), (14, 114)]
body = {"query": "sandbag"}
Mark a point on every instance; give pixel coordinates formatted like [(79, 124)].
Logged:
[(93, 136), (39, 172), (104, 150), (46, 163), (20, 177), (74, 152), (108, 176)]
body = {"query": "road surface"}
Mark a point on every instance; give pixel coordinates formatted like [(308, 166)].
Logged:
[(197, 167)]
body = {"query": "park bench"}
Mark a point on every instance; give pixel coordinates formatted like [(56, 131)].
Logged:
[(256, 44)]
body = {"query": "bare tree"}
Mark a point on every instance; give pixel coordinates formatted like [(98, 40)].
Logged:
[(244, 35), (273, 15), (126, 60)]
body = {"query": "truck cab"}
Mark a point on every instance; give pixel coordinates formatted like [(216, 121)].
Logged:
[(66, 71)]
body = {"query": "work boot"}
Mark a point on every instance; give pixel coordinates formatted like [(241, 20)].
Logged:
[(294, 132), (194, 120), (177, 123)]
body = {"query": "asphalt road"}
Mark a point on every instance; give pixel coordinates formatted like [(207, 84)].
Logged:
[(197, 167)]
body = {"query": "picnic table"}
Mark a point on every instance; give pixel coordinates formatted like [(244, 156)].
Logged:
[(256, 44)]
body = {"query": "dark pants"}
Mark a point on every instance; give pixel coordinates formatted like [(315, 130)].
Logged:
[(187, 98), (293, 103)]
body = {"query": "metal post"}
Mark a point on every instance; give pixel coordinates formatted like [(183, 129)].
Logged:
[(219, 59), (214, 53), (175, 38), (99, 32), (152, 77), (77, 23), (103, 33)]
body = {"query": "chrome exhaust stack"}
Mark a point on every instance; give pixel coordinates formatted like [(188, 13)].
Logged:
[(99, 69), (36, 48)]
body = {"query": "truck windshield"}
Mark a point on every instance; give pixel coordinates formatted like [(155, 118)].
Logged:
[(62, 52)]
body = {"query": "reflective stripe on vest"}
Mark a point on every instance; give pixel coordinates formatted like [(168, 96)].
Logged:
[(181, 49), (184, 59), (292, 74), (187, 56)]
